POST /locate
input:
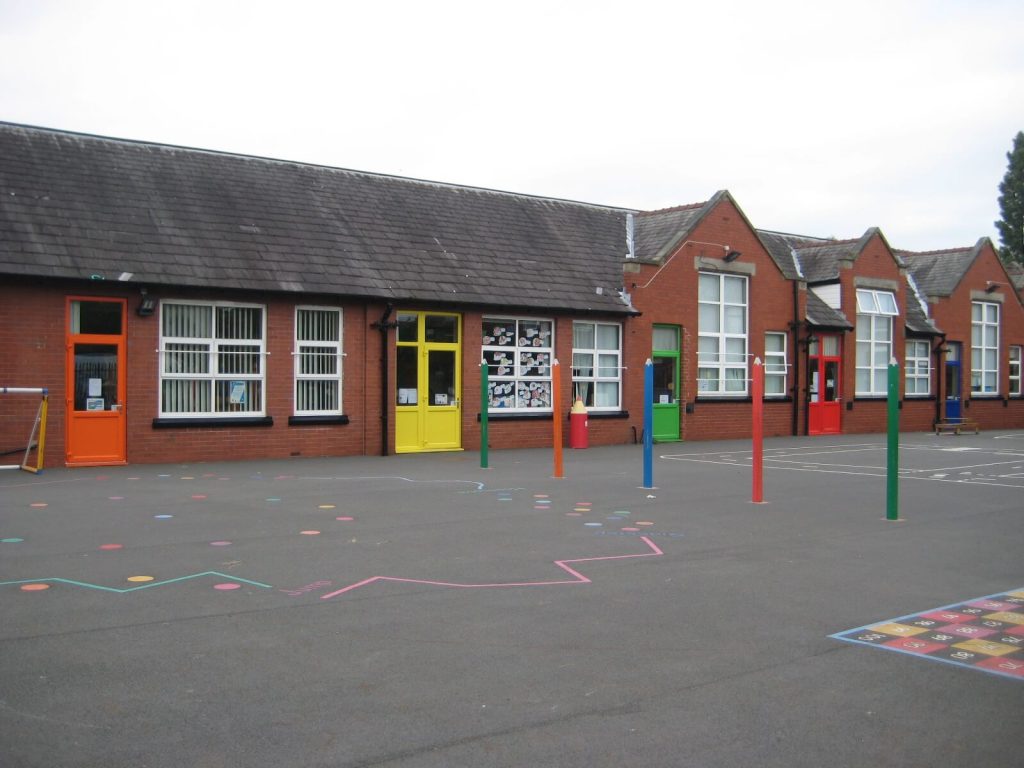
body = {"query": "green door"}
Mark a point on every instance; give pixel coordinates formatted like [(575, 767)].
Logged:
[(665, 357)]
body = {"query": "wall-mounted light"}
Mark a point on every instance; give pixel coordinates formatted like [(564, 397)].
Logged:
[(147, 306), (812, 339), (991, 286), (731, 256)]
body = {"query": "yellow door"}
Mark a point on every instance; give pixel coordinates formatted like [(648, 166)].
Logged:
[(428, 384)]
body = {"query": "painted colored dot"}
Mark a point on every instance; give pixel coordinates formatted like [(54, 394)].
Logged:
[(163, 475), (34, 587), (326, 506), (274, 499), (116, 498), (620, 512), (140, 578), (209, 474), (111, 546), (345, 519), (220, 543), (162, 517), (584, 503), (581, 509), (643, 522), (593, 525), (134, 478), (538, 506), (11, 541), (198, 496), (226, 586), (310, 533), (39, 504), (504, 498), (631, 530), (188, 477), (574, 514), (540, 495), (223, 478), (102, 477)]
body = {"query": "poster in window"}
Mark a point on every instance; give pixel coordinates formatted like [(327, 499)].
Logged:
[(237, 394)]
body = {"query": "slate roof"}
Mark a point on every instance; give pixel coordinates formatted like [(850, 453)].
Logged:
[(73, 205), (658, 233), (916, 315), (938, 273), (781, 246), (822, 315)]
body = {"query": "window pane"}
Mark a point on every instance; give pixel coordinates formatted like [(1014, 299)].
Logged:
[(774, 342), (237, 358), (866, 302), (707, 349), (665, 338), (863, 354), (735, 351), (735, 290), (102, 317), (536, 333), (441, 329), (708, 318), (316, 395), (185, 396), (607, 395), (408, 327), (886, 303), (186, 358), (318, 361), (533, 394), (407, 375), (830, 346), (608, 337), (735, 380), (582, 365), (991, 313), (735, 320), (239, 323), (883, 328), (607, 365), (187, 321), (317, 325), (238, 396), (709, 288), (976, 312), (863, 380), (583, 335)]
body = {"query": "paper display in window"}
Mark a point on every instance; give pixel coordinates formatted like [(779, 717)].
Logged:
[(237, 393)]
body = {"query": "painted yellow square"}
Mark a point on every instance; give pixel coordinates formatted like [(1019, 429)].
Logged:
[(899, 630), (986, 647), (1011, 617), (1018, 593)]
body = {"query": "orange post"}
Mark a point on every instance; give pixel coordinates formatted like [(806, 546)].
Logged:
[(556, 415), (757, 409)]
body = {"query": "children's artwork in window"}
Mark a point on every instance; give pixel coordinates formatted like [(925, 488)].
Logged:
[(518, 353)]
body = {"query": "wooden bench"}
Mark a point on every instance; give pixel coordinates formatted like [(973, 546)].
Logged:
[(956, 427)]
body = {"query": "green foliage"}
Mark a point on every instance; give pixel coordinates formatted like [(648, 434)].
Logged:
[(1011, 204)]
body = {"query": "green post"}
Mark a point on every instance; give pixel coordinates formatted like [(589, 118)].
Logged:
[(892, 501), (484, 403)]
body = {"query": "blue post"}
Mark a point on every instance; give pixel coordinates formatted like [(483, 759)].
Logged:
[(648, 424)]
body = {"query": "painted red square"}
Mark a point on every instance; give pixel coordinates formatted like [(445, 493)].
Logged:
[(1004, 666), (993, 605), (1018, 630), (947, 617), (913, 645), (970, 632)]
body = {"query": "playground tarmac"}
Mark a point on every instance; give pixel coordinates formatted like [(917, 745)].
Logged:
[(422, 611)]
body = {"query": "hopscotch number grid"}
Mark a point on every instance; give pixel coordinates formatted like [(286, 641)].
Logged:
[(985, 633)]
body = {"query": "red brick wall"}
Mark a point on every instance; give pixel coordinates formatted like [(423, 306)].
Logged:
[(953, 315), (671, 298)]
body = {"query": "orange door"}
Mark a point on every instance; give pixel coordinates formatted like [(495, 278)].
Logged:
[(96, 427)]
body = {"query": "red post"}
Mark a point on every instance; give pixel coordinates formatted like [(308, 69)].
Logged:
[(757, 414), (556, 415)]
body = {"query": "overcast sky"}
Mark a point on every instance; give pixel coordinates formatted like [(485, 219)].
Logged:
[(820, 118)]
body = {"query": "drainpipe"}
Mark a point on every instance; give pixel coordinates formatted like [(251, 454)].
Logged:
[(795, 429), (384, 326), (940, 373)]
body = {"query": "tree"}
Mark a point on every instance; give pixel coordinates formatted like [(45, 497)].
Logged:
[(1011, 204)]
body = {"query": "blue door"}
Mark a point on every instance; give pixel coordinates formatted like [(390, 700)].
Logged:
[(954, 382)]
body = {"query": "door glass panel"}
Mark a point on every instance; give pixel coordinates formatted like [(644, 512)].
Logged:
[(830, 346), (407, 375), (831, 381), (442, 329), (103, 317), (664, 380), (408, 327), (812, 381), (953, 355), (95, 377), (441, 370)]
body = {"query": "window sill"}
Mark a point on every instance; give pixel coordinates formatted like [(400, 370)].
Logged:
[(607, 414), (732, 399), (298, 421), (498, 415), (185, 423)]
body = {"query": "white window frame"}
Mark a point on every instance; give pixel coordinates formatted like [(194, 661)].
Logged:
[(331, 354), (1014, 369), (918, 368), (875, 313), (722, 361), (604, 372), (775, 365), (202, 356), (984, 349), (520, 383)]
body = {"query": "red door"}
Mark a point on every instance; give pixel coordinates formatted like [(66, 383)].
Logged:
[(95, 403), (824, 385)]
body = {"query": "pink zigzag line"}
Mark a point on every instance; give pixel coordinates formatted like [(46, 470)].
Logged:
[(563, 564)]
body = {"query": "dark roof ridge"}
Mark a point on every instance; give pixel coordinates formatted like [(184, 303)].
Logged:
[(299, 163), (673, 209), (937, 251), (822, 240)]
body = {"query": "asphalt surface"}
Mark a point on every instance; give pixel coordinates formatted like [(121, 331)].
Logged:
[(422, 611)]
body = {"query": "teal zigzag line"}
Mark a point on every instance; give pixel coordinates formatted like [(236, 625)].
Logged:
[(100, 587)]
